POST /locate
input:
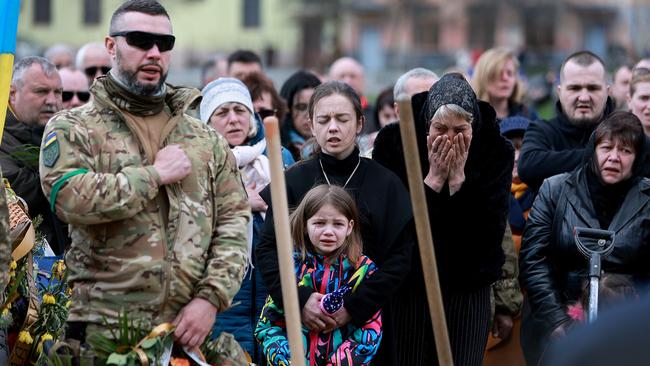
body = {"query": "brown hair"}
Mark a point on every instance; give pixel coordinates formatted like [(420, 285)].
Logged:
[(316, 198), (487, 70), (623, 127), (336, 87), (258, 84)]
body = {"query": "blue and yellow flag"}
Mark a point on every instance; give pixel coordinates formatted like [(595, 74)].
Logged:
[(8, 26)]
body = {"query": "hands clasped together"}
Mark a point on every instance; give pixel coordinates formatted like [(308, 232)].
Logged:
[(447, 159), (317, 320)]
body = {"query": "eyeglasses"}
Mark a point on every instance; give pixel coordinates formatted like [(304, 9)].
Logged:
[(91, 71), (146, 40), (267, 112), (67, 95)]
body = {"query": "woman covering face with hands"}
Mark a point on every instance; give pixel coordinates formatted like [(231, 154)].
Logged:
[(468, 171), (448, 143)]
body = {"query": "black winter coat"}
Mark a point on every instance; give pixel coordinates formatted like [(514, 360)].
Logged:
[(25, 180), (552, 269), (553, 147)]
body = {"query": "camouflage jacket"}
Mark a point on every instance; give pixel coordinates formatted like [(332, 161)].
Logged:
[(98, 179)]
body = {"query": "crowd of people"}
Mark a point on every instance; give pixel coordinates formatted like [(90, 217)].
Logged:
[(158, 196)]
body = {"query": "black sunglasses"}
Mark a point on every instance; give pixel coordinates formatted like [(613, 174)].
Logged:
[(267, 112), (92, 70), (146, 40), (83, 96)]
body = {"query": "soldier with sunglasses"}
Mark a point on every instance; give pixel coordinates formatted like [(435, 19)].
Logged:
[(75, 88), (155, 202)]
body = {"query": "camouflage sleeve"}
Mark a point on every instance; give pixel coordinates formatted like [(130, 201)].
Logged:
[(5, 249), (507, 293), (228, 253), (78, 193)]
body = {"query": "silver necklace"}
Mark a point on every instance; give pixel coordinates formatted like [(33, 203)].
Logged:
[(347, 181)]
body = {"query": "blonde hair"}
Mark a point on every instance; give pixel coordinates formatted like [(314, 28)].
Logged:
[(450, 111), (313, 201), (487, 69), (637, 78)]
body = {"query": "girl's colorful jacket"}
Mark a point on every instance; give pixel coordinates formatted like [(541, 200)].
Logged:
[(348, 345)]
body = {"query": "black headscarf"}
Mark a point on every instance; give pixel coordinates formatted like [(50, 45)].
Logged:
[(452, 89), (300, 80)]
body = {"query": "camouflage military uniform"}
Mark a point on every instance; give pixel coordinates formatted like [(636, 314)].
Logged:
[(5, 249), (122, 256)]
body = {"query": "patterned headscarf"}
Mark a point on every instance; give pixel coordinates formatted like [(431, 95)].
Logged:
[(452, 89)]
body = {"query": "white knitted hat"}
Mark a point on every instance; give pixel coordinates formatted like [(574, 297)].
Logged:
[(224, 90)]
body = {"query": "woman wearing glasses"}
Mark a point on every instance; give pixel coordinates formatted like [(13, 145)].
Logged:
[(266, 100), (295, 129), (227, 106)]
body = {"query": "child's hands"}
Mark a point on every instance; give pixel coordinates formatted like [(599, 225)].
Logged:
[(314, 318), (341, 317)]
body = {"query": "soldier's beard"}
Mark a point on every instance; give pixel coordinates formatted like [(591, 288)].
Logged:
[(130, 80)]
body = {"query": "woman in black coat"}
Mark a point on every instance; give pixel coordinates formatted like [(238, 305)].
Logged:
[(606, 192), (386, 217), (467, 182)]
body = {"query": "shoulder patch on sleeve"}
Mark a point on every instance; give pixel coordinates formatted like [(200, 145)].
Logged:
[(50, 150)]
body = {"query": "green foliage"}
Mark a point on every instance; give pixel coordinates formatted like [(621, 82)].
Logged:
[(125, 336)]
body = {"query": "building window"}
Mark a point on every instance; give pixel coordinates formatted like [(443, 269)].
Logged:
[(42, 12), (425, 28), (481, 27), (251, 13), (92, 11)]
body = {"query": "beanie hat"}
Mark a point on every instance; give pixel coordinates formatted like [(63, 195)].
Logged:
[(515, 125), (224, 90)]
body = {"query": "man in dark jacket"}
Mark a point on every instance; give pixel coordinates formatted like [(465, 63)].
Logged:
[(34, 97), (557, 146)]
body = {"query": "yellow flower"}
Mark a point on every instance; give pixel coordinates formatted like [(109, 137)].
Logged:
[(49, 299), (44, 337), (68, 304), (13, 265), (68, 291), (5, 312), (25, 337), (58, 269), (12, 274)]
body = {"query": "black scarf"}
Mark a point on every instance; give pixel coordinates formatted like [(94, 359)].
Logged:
[(606, 198), (138, 105)]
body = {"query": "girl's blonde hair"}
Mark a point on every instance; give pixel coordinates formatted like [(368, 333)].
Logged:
[(487, 69), (316, 198)]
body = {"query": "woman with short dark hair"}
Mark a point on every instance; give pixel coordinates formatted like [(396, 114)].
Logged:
[(606, 192)]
